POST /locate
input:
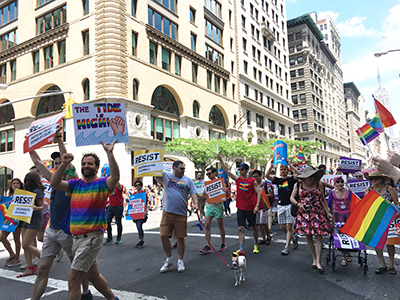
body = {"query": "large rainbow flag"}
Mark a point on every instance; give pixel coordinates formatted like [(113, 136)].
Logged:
[(354, 201), (300, 155), (385, 116), (366, 134), (376, 123), (369, 221), (264, 197)]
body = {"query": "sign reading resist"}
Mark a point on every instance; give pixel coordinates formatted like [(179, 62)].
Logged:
[(214, 190), (21, 207)]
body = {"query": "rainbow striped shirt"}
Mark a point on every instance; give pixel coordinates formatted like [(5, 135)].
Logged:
[(88, 205)]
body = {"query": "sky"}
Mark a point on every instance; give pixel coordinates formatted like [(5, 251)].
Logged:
[(365, 27)]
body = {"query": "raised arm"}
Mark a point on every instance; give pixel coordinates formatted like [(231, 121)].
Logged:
[(295, 170), (61, 147), (267, 174), (230, 174), (56, 180), (41, 167), (114, 170)]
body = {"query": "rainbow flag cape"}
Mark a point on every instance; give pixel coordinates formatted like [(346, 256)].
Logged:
[(354, 201), (264, 197), (367, 134), (369, 221), (376, 123), (300, 155), (384, 115)]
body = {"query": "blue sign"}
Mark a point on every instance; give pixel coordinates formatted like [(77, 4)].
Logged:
[(280, 153), (222, 174)]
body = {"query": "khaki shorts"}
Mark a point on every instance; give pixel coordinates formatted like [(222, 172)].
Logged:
[(54, 241), (85, 250), (170, 222)]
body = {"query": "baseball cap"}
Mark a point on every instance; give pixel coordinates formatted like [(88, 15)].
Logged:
[(54, 155), (244, 166)]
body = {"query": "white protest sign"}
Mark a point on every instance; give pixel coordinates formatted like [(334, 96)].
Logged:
[(199, 187), (148, 162), (21, 207), (358, 186)]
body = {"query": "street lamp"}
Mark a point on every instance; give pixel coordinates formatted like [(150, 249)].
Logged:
[(379, 54), (3, 86)]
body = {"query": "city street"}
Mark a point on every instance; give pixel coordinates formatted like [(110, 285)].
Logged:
[(134, 273)]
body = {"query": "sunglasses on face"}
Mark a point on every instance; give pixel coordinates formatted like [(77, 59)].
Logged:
[(242, 169), (208, 174), (138, 185), (182, 168), (340, 181), (375, 178)]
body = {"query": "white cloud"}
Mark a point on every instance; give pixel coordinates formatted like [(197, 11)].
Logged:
[(323, 14), (354, 27)]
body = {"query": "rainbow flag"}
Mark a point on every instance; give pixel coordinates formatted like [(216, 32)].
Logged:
[(376, 123), (369, 221), (367, 133), (330, 170), (385, 116), (264, 197), (47, 164), (300, 155), (284, 185), (354, 201)]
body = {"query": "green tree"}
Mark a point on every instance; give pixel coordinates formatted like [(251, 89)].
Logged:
[(233, 150)]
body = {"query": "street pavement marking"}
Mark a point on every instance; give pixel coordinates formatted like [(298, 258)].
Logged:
[(62, 285)]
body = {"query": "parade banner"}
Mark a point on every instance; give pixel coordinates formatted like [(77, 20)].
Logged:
[(136, 207), (358, 186), (7, 223), (330, 179), (47, 191), (349, 165), (199, 186), (167, 167), (393, 238), (148, 162), (95, 122), (21, 207), (41, 132), (280, 153), (214, 190)]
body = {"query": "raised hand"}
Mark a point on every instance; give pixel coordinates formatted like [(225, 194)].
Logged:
[(393, 158), (117, 125), (67, 157), (108, 147)]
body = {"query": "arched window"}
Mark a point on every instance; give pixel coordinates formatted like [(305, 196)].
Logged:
[(217, 120), (164, 125), (6, 113), (86, 89), (52, 103), (196, 109), (135, 85)]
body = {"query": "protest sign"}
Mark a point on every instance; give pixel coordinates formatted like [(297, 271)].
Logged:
[(168, 166), (7, 223), (148, 162), (280, 153), (47, 191), (358, 186), (330, 179), (199, 186), (222, 174), (41, 132), (21, 207), (95, 122), (214, 190), (136, 207), (349, 165), (393, 238)]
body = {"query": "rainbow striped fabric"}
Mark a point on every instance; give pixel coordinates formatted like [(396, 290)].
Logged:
[(284, 185), (300, 155), (264, 197), (88, 205), (385, 116), (354, 200), (376, 123), (369, 221), (366, 134)]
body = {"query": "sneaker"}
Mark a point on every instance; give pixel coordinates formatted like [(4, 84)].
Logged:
[(256, 249), (223, 248), (140, 245), (181, 266), (285, 251), (295, 241), (60, 255), (168, 264), (119, 241), (108, 242), (206, 249), (88, 296), (239, 252)]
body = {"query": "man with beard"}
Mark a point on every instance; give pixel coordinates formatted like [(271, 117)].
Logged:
[(88, 217)]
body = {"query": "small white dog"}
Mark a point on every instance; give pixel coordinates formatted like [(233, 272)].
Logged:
[(239, 266)]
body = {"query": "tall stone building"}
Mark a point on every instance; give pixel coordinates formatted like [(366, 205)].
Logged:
[(169, 61), (317, 91)]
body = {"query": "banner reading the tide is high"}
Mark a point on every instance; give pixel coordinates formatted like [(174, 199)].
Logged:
[(95, 122)]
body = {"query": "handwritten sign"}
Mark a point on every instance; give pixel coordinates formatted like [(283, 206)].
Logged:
[(349, 165), (214, 190), (280, 153), (136, 207), (148, 163), (95, 122), (358, 186), (21, 207), (41, 132)]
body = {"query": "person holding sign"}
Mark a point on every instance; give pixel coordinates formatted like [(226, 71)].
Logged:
[(33, 184), (247, 202), (139, 222), (88, 217), (177, 188), (216, 210)]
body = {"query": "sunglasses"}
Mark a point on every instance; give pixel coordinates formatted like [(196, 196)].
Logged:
[(340, 181), (208, 174), (375, 178), (137, 185), (242, 169), (182, 168)]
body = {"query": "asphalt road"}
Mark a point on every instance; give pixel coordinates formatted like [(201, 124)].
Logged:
[(134, 273)]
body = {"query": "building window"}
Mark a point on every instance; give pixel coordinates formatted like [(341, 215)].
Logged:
[(244, 44), (86, 89), (301, 72), (192, 15), (300, 60), (282, 130), (246, 90), (296, 128), (245, 66), (302, 85), (36, 61), (243, 22), (214, 56), (292, 61), (85, 4), (193, 38), (135, 86), (85, 38), (48, 57), (7, 140), (209, 79), (292, 74), (166, 59), (51, 20), (170, 4), (255, 95), (194, 73), (217, 84), (162, 24), (303, 98), (295, 114), (178, 65), (9, 12), (196, 109), (213, 32), (9, 39), (248, 117), (216, 118), (41, 2), (134, 43), (259, 121), (304, 113), (304, 126), (224, 87), (271, 125), (13, 69), (49, 104), (153, 53), (3, 73), (6, 113), (133, 8), (294, 86)]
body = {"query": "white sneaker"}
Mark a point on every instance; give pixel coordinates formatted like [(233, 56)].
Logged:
[(168, 264), (181, 266)]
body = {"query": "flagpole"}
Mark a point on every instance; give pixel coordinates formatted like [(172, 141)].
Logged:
[(391, 204), (366, 144)]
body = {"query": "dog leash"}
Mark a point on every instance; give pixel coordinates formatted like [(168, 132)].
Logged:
[(201, 228)]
